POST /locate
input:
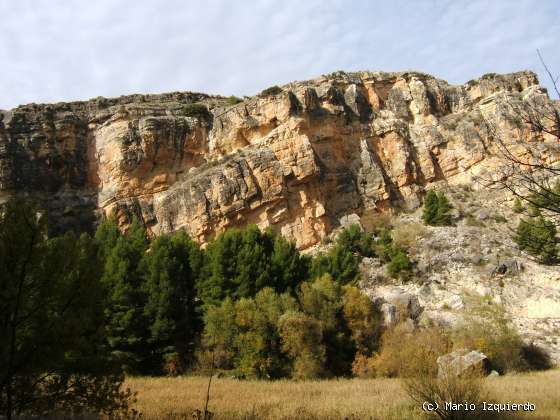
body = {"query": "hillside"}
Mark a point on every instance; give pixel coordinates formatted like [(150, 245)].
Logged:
[(304, 159)]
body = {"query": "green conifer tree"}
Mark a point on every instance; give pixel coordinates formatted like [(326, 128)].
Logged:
[(52, 332), (170, 270), (437, 209), (443, 213), (127, 331), (537, 236), (430, 208), (518, 206)]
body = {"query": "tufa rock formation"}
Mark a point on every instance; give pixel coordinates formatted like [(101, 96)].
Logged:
[(296, 159)]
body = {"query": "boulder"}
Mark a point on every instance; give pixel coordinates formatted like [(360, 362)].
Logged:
[(508, 267), (454, 302), (396, 305), (462, 362), (389, 314), (351, 219)]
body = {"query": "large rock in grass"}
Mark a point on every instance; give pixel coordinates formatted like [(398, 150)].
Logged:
[(462, 362)]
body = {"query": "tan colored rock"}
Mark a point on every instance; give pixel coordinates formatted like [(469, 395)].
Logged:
[(296, 161)]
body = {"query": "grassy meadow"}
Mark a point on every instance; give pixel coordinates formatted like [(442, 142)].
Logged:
[(178, 397)]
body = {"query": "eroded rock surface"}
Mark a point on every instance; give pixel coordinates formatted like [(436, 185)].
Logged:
[(296, 161)]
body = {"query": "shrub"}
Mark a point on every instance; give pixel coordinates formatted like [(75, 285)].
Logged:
[(400, 265), (407, 235), (450, 388), (430, 208), (374, 222), (384, 246), (535, 357), (302, 340), (233, 100), (357, 241), (473, 221), (489, 330), (271, 91), (362, 318), (406, 353), (196, 110), (363, 366), (437, 209), (499, 218), (518, 206), (537, 236), (547, 198)]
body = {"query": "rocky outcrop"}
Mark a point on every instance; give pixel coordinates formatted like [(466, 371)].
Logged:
[(296, 161), (471, 265)]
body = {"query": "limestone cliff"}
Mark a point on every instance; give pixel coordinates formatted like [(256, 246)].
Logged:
[(296, 159)]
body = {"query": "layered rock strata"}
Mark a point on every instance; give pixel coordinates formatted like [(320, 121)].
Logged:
[(296, 160)]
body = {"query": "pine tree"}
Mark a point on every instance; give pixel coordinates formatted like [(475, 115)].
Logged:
[(518, 206), (437, 209), (537, 236), (356, 240), (343, 265), (52, 335), (253, 262), (430, 208), (443, 214), (288, 267), (170, 270), (400, 265), (127, 330), (240, 263)]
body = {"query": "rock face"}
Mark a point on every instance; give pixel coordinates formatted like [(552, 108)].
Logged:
[(297, 161)]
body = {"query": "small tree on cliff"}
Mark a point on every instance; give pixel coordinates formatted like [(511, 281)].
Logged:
[(437, 209), (537, 236)]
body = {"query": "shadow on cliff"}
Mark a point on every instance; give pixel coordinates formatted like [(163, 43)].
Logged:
[(51, 164)]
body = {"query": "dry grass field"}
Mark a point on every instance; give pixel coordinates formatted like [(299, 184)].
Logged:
[(176, 398)]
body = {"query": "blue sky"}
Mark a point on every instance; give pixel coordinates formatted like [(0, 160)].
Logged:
[(60, 50)]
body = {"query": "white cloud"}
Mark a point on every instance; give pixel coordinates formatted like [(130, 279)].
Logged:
[(62, 50)]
